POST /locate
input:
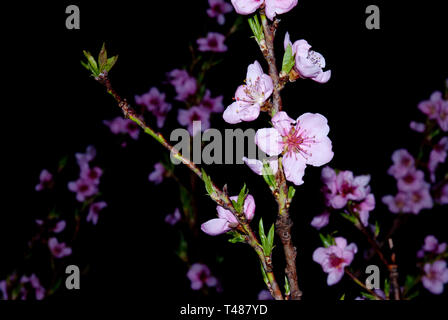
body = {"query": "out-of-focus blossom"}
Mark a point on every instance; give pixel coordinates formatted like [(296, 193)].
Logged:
[(321, 220), (403, 161), (417, 126), (437, 155), (303, 142), (59, 227), (335, 258), (212, 104), (125, 126), (443, 195), (214, 42), (84, 188), (257, 165), (186, 117), (183, 83), (264, 295), (436, 275), (85, 158), (421, 199), (308, 63), (431, 245), (58, 250), (411, 181), (398, 203), (272, 7), (218, 8), (432, 106), (91, 174), (45, 180), (94, 211), (250, 96), (154, 101), (31, 282), (157, 175), (173, 218), (226, 221), (364, 207), (200, 275)]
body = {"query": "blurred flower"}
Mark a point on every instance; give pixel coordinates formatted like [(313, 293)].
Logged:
[(413, 180), (213, 42), (226, 221), (335, 258), (437, 155), (173, 218), (443, 196), (257, 165), (218, 8), (264, 295), (59, 227), (212, 104), (272, 7), (84, 188), (321, 220), (45, 180), (154, 101), (58, 250), (417, 126), (398, 203), (91, 174), (200, 275), (157, 175), (187, 116), (304, 142), (85, 158), (34, 282), (364, 207), (436, 275), (184, 85), (94, 210), (431, 245), (403, 161), (120, 125), (250, 96), (308, 63)]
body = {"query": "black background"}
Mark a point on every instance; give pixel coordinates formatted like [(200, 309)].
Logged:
[(51, 108)]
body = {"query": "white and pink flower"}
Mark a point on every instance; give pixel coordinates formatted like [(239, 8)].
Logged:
[(214, 42), (272, 7)]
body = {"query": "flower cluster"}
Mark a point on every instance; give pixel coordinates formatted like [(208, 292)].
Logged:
[(436, 109), (345, 191), (435, 271), (200, 276), (119, 125), (413, 191), (24, 288), (154, 102)]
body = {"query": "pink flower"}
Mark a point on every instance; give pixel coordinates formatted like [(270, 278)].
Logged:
[(226, 221), (85, 158), (302, 142), (431, 245), (437, 155), (443, 196), (403, 162), (257, 165), (421, 199), (94, 211), (364, 207), (84, 188), (213, 42), (218, 8), (335, 258), (308, 63), (417, 126), (58, 250), (33, 281), (59, 227), (321, 220), (442, 119), (432, 106), (91, 174), (272, 7), (173, 218), (184, 85), (436, 275), (186, 118), (200, 275), (120, 125), (413, 180), (250, 96), (154, 101), (45, 180), (157, 175), (398, 203), (212, 104)]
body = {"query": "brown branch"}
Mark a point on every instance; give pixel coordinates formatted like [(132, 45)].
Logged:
[(219, 196), (393, 273)]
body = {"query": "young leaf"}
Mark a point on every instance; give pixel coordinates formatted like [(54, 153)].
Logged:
[(265, 277), (288, 60), (377, 228), (102, 57), (326, 240), (208, 184), (241, 197), (342, 297), (287, 288), (261, 233), (110, 63), (92, 63), (349, 217), (268, 175), (291, 192), (236, 237), (270, 239), (386, 287), (368, 296)]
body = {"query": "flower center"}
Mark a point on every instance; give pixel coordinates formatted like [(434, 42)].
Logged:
[(297, 141), (315, 58), (335, 261)]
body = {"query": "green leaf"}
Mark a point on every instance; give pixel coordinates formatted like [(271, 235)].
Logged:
[(110, 63), (261, 233), (386, 287), (288, 60), (102, 57), (268, 175), (287, 288), (377, 228), (413, 295), (242, 197), (92, 63), (236, 237), (86, 65), (368, 296), (326, 240), (291, 192), (342, 297), (265, 277), (256, 28), (349, 217), (208, 184), (270, 238)]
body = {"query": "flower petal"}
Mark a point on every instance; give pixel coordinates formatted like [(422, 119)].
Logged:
[(215, 227), (294, 166), (269, 141)]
